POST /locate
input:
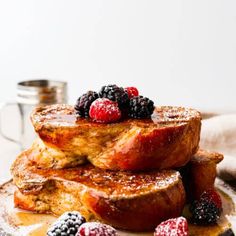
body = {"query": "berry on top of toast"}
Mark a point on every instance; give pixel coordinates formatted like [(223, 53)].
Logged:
[(140, 107), (105, 111), (132, 91), (123, 101), (84, 102), (115, 93)]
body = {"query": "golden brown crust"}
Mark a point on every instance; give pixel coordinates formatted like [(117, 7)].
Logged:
[(204, 156), (200, 173), (133, 201), (166, 141)]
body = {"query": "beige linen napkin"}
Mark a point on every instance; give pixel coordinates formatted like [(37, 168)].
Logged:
[(219, 134)]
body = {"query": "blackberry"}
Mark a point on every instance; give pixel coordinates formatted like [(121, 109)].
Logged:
[(204, 212), (228, 232), (67, 224), (115, 93), (83, 103), (140, 107)]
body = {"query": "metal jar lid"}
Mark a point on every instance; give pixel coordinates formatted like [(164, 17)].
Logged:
[(41, 92)]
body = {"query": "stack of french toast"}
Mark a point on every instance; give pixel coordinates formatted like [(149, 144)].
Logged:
[(131, 168)]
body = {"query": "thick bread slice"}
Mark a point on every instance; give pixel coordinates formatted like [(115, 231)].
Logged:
[(200, 173), (168, 140), (132, 201)]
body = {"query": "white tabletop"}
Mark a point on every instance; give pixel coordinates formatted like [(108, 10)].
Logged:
[(8, 153)]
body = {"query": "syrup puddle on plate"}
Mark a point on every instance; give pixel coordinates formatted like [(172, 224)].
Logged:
[(22, 223)]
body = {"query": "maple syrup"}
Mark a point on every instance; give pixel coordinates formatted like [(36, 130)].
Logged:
[(24, 223)]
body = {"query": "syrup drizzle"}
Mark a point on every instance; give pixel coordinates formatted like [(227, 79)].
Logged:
[(22, 223), (64, 115)]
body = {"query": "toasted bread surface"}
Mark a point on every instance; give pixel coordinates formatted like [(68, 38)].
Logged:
[(168, 140), (200, 173), (127, 200)]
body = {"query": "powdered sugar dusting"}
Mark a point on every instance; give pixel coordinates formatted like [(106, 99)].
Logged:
[(172, 114), (173, 227), (104, 110), (96, 229), (106, 104)]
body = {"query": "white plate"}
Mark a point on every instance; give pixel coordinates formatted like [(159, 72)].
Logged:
[(21, 223)]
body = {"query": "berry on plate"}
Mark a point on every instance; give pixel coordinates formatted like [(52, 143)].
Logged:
[(84, 102), (213, 196), (96, 229), (116, 94), (172, 227), (132, 92), (104, 110), (228, 232), (206, 210), (66, 224), (140, 107), (204, 213)]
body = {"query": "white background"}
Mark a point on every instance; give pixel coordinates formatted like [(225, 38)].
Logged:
[(175, 52)]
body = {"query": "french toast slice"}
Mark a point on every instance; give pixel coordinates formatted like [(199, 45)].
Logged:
[(168, 140), (200, 173), (123, 199)]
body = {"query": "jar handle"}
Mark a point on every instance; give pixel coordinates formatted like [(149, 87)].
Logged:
[(4, 105)]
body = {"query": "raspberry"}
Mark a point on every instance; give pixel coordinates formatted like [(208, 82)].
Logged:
[(172, 227), (140, 107), (211, 195), (132, 92), (84, 102), (204, 212), (96, 229), (67, 224), (104, 110), (116, 94)]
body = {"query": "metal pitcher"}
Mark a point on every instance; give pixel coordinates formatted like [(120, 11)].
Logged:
[(30, 94)]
